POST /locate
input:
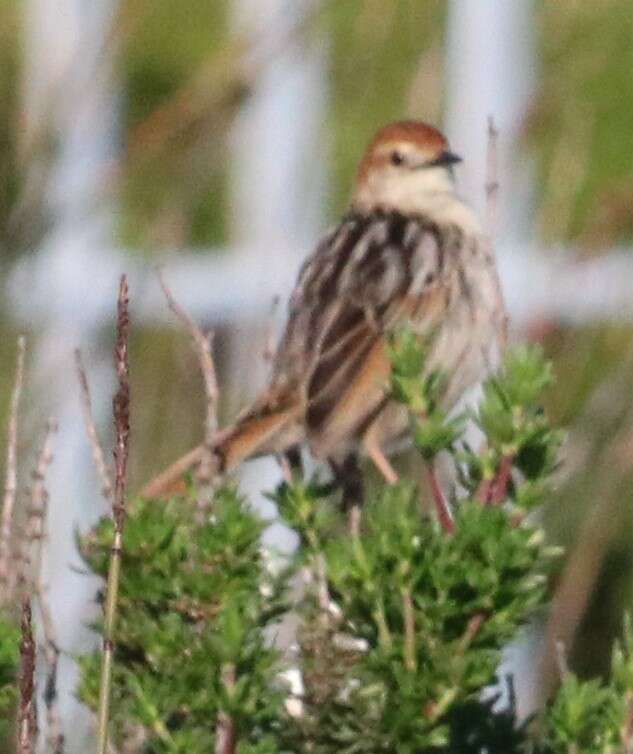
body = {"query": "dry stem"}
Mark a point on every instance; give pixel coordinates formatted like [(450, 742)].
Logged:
[(121, 407), (207, 468), (11, 478), (203, 344), (31, 545), (37, 517), (27, 719), (98, 455)]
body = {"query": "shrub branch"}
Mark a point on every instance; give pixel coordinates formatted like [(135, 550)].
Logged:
[(98, 455)]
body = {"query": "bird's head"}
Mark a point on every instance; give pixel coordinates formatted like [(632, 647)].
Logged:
[(407, 167)]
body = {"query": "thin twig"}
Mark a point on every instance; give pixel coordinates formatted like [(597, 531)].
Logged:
[(207, 468), (11, 474), (492, 180), (98, 456), (37, 517), (203, 345), (27, 718), (442, 507), (225, 740), (31, 546), (121, 407)]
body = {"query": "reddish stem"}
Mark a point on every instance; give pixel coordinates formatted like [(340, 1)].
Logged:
[(501, 481), (484, 491), (444, 513), (493, 491)]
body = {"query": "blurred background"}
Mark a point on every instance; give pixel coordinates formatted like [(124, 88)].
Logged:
[(220, 139)]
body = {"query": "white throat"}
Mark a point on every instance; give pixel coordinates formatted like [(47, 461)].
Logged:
[(430, 193)]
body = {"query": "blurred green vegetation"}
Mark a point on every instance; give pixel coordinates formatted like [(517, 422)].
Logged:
[(9, 115), (9, 659), (580, 124), (400, 627), (183, 85), (382, 53), (174, 146)]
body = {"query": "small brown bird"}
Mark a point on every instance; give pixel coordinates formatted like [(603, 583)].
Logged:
[(408, 251)]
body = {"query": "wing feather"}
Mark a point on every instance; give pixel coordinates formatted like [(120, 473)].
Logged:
[(391, 271), (368, 276)]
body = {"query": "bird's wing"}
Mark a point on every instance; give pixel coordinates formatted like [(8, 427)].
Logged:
[(369, 276)]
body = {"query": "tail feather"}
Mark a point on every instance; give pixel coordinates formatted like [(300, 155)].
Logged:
[(257, 435), (252, 436)]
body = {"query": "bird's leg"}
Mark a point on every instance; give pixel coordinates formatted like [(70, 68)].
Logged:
[(379, 459), (291, 463), (349, 477)]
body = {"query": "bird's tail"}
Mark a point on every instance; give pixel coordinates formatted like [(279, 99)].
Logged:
[(253, 435)]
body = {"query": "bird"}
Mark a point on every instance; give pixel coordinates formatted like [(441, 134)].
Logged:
[(408, 251)]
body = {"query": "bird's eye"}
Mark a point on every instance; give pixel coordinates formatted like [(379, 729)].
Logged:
[(397, 158)]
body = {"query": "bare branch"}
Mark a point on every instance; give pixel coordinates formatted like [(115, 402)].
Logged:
[(11, 477), (98, 456), (203, 344), (27, 718), (121, 407), (207, 468), (492, 180), (31, 544), (33, 576)]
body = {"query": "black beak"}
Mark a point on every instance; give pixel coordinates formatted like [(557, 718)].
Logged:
[(445, 158)]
